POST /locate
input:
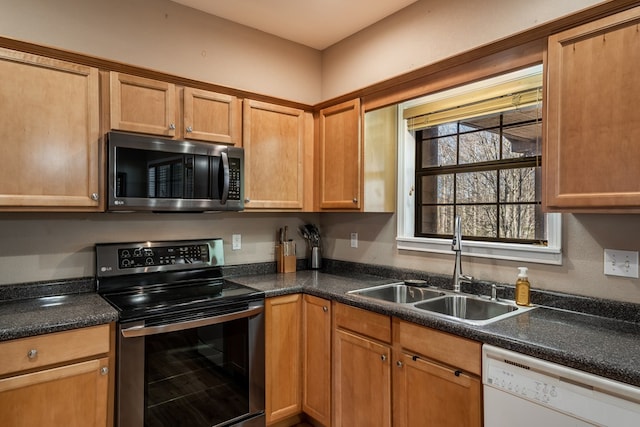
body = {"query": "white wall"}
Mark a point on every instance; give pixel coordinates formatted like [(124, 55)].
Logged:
[(54, 246), (427, 32), (584, 238), (165, 36)]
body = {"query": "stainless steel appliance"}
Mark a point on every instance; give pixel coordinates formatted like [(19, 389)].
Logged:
[(525, 391), (147, 173), (190, 344)]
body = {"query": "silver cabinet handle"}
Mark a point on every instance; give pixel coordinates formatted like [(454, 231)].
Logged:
[(355, 200), (383, 357), (104, 370), (32, 354), (399, 364), (247, 200), (325, 308), (189, 129), (95, 197), (142, 331), (172, 126)]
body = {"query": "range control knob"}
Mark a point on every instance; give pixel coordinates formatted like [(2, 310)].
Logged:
[(148, 261)]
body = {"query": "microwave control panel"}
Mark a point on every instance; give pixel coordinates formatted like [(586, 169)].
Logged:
[(234, 179)]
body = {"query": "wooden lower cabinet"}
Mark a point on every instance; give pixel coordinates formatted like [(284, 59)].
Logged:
[(391, 372), (436, 378), (316, 359), (283, 360), (60, 379), (361, 368), (429, 393)]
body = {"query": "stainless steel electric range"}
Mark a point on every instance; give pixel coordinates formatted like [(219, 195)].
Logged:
[(190, 344)]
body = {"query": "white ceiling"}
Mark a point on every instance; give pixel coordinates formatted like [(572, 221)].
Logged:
[(314, 23)]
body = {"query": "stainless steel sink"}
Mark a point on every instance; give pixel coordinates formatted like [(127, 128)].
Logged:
[(467, 308), (470, 308), (398, 293)]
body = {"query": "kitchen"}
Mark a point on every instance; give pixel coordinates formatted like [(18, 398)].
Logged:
[(52, 246)]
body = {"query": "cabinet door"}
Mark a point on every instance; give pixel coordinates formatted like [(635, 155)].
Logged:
[(49, 134), (316, 354), (274, 142), (429, 394), (71, 396), (142, 105), (283, 357), (592, 122), (361, 381), (340, 157), (212, 117)]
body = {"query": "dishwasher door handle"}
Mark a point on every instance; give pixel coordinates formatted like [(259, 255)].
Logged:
[(143, 331)]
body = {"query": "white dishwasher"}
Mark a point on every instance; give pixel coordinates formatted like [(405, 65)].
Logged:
[(528, 392)]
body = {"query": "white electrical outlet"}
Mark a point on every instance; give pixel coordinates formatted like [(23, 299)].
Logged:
[(354, 240), (236, 242), (621, 263)]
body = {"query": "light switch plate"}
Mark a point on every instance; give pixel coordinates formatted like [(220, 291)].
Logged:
[(354, 240), (621, 263), (236, 242)]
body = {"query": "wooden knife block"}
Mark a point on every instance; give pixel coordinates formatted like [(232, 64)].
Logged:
[(286, 257)]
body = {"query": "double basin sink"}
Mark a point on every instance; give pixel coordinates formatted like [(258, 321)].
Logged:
[(466, 308)]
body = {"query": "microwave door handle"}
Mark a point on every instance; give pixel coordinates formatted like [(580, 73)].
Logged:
[(141, 331), (225, 171)]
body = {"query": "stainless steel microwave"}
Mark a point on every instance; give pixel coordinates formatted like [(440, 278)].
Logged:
[(148, 173)]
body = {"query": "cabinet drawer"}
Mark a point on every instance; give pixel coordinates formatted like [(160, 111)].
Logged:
[(42, 350), (364, 322), (449, 349)]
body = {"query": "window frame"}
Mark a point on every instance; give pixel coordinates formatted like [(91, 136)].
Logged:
[(406, 208)]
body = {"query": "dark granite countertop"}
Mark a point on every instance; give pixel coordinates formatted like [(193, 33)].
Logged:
[(599, 345), (34, 309)]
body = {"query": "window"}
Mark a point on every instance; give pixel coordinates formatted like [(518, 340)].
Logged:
[(476, 152)]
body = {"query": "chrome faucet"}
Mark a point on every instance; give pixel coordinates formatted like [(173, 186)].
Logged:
[(456, 246)]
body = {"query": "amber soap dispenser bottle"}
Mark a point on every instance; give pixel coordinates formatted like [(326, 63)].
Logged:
[(523, 288)]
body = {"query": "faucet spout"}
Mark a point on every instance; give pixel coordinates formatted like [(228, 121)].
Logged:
[(456, 247)]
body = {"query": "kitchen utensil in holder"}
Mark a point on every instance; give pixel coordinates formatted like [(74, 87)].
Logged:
[(315, 260), (286, 257)]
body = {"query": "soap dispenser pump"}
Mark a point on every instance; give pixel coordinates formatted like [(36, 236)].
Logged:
[(523, 287)]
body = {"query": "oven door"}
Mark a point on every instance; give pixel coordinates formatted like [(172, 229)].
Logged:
[(202, 372)]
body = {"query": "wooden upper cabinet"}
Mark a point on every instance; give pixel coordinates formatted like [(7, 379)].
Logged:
[(277, 142), (212, 117), (154, 107), (340, 157), (142, 105), (49, 134), (592, 121)]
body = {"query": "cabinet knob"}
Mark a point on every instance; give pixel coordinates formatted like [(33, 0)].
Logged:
[(355, 200), (189, 129), (383, 357), (172, 126), (95, 197), (399, 364), (247, 200), (104, 370), (32, 354), (325, 308)]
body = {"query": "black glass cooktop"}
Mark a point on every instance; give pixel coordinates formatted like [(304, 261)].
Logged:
[(150, 301)]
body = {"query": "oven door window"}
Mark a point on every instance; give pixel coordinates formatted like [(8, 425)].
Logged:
[(197, 377)]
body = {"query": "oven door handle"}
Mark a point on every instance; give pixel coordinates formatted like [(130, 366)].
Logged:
[(142, 331)]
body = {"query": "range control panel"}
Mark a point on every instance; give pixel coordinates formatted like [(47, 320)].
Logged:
[(113, 259), (163, 255)]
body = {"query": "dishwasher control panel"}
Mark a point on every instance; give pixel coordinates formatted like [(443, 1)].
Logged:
[(504, 378)]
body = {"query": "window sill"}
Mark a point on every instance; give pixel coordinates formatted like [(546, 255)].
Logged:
[(505, 251)]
